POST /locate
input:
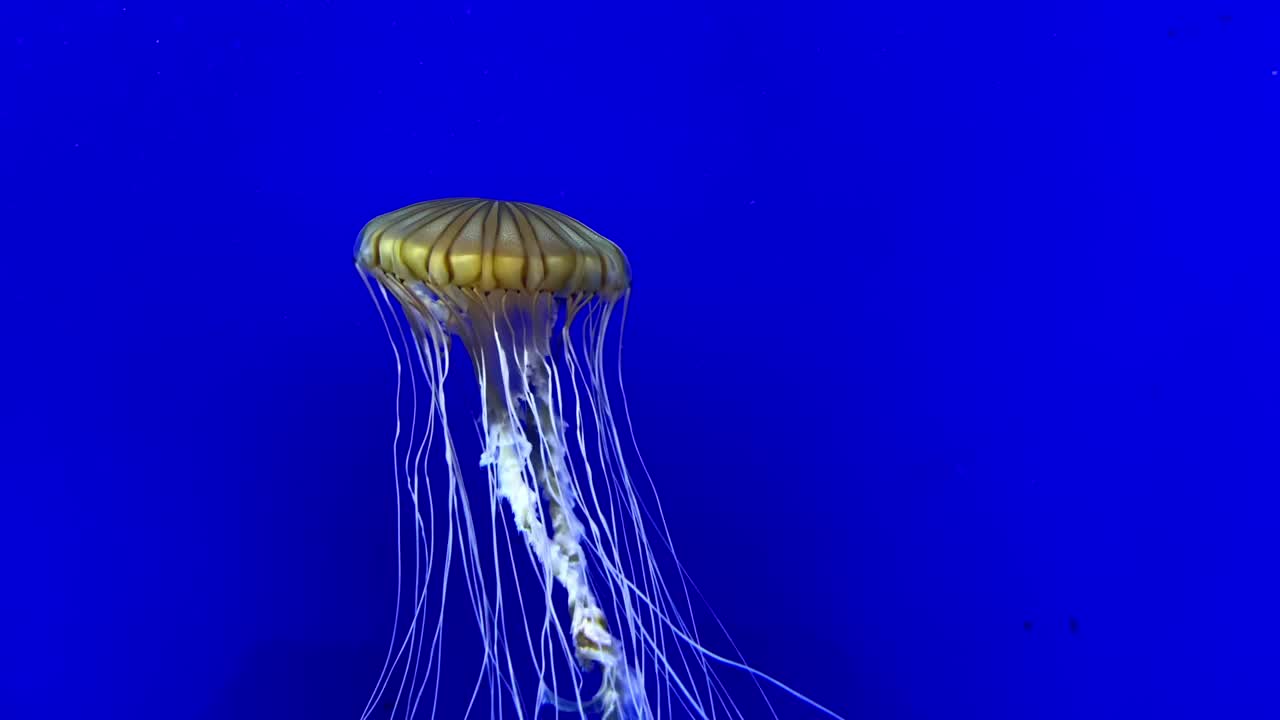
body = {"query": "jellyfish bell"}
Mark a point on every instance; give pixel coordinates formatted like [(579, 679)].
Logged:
[(487, 245), (531, 294)]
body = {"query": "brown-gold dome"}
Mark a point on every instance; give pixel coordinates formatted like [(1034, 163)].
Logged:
[(485, 245)]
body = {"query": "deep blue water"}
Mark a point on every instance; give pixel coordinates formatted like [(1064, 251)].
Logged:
[(952, 347)]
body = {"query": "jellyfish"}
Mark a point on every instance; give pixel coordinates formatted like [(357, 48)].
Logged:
[(581, 604)]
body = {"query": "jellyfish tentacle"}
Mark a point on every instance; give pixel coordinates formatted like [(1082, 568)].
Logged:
[(620, 694), (519, 389)]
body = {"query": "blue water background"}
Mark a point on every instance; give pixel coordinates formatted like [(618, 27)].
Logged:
[(952, 347)]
